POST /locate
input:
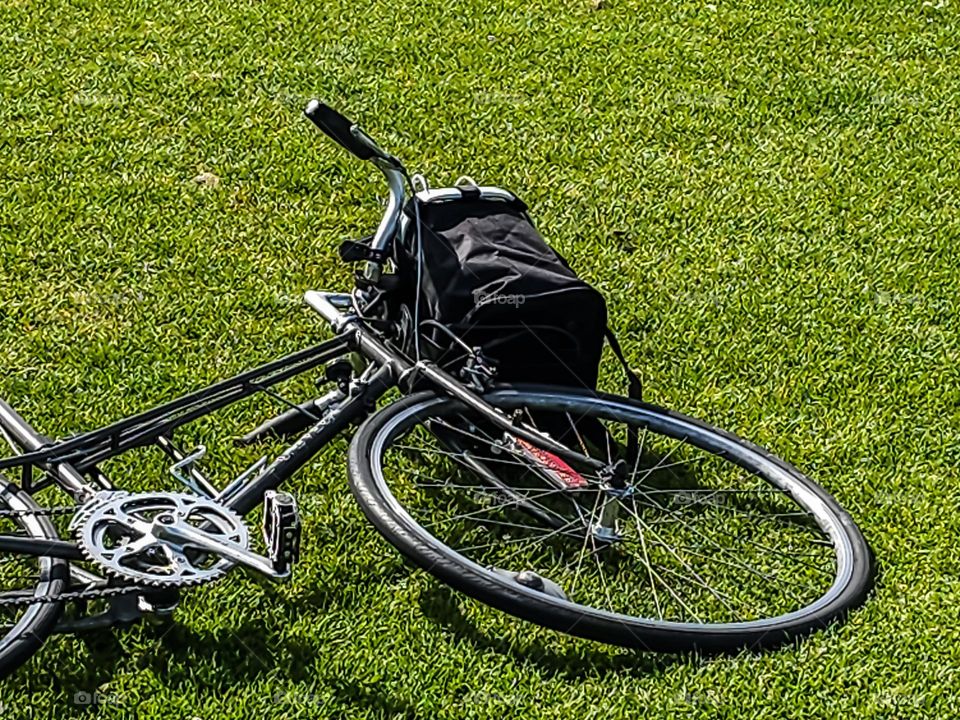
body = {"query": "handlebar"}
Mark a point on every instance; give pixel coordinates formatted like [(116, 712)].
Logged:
[(348, 135), (339, 129)]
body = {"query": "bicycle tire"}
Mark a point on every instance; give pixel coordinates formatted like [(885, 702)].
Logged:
[(393, 522), (28, 633)]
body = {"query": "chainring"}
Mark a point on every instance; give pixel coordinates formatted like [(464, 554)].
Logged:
[(109, 529)]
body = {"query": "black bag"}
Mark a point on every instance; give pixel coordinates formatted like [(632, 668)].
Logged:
[(489, 277)]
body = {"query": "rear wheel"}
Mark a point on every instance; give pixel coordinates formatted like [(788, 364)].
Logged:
[(29, 585), (697, 539)]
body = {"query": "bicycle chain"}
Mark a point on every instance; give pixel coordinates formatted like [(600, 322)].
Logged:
[(70, 596), (91, 594), (62, 510)]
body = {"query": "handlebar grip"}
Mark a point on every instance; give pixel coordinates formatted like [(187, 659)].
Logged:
[(337, 128)]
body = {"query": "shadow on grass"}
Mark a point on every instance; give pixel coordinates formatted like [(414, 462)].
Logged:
[(225, 655), (367, 696), (441, 605), (181, 654)]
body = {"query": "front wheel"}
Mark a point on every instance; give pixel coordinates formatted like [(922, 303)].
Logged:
[(696, 539)]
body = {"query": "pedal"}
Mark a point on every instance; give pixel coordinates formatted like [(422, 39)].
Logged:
[(281, 530)]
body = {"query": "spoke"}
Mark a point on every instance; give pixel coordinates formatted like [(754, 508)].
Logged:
[(686, 579), (703, 583), (520, 542), (760, 545), (603, 579), (705, 502), (661, 461), (650, 573), (707, 494), (586, 539), (654, 576), (713, 491), (665, 585), (491, 441), (573, 425), (490, 521), (511, 503), (678, 463), (513, 541), (533, 423), (636, 463), (725, 551)]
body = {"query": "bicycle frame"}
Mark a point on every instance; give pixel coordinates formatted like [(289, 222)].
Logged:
[(70, 461), (73, 464)]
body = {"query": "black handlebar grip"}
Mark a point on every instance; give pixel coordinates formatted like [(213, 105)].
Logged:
[(337, 128)]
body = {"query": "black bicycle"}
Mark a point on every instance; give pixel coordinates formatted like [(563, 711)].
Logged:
[(596, 515)]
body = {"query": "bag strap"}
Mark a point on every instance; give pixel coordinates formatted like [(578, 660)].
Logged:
[(634, 392), (634, 385)]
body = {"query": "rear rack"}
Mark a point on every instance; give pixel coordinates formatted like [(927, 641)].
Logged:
[(86, 450)]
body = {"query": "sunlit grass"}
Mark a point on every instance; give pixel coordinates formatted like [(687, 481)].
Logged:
[(767, 193)]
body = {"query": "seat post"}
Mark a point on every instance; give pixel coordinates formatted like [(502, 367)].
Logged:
[(18, 428)]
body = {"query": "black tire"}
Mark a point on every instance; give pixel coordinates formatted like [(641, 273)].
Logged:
[(25, 634), (393, 521)]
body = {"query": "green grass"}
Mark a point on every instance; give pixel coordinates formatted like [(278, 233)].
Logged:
[(767, 192)]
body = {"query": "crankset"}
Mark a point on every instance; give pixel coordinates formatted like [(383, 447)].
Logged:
[(169, 540)]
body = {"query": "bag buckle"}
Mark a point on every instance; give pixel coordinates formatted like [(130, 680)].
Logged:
[(469, 190)]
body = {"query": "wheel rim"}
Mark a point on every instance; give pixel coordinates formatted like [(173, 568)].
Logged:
[(667, 608)]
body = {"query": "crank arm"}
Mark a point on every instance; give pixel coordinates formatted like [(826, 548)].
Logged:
[(185, 534)]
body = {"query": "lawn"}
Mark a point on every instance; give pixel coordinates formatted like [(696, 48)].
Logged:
[(768, 193)]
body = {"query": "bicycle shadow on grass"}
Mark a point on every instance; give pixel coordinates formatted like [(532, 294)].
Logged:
[(229, 657), (236, 655), (441, 605)]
